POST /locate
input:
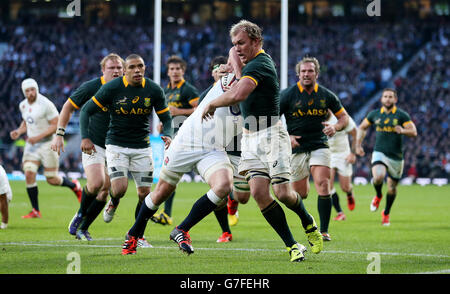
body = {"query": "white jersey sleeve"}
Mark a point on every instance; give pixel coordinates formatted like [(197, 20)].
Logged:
[(38, 114), (339, 143), (213, 134)]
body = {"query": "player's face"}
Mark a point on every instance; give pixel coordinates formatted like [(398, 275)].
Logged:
[(308, 75), (175, 72), (113, 69), (388, 99), (135, 69), (31, 94), (245, 47)]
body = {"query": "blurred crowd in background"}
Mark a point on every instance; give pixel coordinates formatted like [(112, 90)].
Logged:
[(357, 60)]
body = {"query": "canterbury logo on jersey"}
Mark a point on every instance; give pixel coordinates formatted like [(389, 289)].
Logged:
[(137, 111), (310, 112)]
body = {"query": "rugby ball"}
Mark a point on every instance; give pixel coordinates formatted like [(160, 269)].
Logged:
[(227, 80)]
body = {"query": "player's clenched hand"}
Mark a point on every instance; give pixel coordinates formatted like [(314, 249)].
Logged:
[(167, 141), (294, 142), (208, 112), (351, 158), (359, 151), (87, 146), (329, 130), (58, 144), (14, 134), (398, 129)]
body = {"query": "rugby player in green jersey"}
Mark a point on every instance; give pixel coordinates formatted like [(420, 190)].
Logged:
[(182, 98), (130, 101), (265, 146), (391, 124), (305, 106), (96, 191)]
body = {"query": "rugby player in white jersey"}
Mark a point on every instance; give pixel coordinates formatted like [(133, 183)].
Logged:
[(201, 146), (341, 163), (5, 198), (40, 118)]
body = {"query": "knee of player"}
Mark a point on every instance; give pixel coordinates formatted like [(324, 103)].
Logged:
[(94, 187), (323, 185), (223, 188), (242, 197)]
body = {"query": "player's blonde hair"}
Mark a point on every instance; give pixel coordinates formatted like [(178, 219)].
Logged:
[(307, 59), (112, 56), (253, 31)]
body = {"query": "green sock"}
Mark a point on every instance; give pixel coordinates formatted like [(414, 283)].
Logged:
[(324, 205), (91, 214), (168, 204), (275, 216), (301, 211), (222, 218), (389, 201), (86, 200)]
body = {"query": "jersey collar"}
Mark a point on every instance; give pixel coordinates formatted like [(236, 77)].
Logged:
[(125, 82), (102, 80), (259, 52), (180, 83), (301, 89), (394, 109)]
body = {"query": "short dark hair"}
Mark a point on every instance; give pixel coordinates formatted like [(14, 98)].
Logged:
[(390, 90), (218, 60), (177, 60), (133, 56)]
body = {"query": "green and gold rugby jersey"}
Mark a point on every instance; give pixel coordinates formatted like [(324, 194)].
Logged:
[(264, 102), (305, 112), (181, 96), (99, 122), (130, 108), (387, 140)]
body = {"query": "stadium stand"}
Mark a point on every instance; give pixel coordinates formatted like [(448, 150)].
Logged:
[(356, 60)]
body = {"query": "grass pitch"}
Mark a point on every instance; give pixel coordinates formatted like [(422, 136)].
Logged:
[(416, 242)]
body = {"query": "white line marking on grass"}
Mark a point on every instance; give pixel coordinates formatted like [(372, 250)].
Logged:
[(446, 271), (215, 248)]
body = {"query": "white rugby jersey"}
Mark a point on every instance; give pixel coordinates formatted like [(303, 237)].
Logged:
[(38, 114), (339, 142), (213, 134), (5, 188)]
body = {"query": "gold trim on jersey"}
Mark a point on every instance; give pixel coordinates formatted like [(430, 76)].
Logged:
[(102, 80), (406, 122), (99, 104), (259, 52), (194, 99), (251, 78), (394, 109), (367, 121), (300, 88), (125, 82), (339, 111), (162, 110), (73, 103), (180, 83)]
